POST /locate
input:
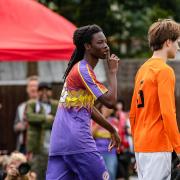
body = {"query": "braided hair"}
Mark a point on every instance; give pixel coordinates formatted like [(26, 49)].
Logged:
[(81, 36)]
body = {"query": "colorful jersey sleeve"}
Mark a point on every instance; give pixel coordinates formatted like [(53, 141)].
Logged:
[(89, 80)]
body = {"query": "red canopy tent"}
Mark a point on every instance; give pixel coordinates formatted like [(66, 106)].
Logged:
[(30, 32)]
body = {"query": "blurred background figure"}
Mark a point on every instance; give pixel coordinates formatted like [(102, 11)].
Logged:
[(126, 148), (40, 115), (3, 163), (128, 133), (103, 138), (122, 117), (17, 168), (20, 124)]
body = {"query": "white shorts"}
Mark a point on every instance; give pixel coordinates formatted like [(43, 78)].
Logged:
[(154, 166)]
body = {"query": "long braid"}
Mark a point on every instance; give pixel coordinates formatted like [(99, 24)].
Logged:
[(81, 36), (76, 57)]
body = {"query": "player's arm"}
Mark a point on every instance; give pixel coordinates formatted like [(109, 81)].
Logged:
[(166, 85), (109, 99), (132, 113), (99, 119)]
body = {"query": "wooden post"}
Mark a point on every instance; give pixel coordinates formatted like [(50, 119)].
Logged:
[(32, 68)]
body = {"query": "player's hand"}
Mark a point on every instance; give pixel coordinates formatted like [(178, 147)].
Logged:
[(113, 62), (115, 141)]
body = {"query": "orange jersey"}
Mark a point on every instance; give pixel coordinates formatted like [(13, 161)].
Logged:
[(153, 113)]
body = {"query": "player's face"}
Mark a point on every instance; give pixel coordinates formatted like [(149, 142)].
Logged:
[(173, 49), (99, 47)]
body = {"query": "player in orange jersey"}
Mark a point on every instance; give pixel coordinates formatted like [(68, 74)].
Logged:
[(153, 113)]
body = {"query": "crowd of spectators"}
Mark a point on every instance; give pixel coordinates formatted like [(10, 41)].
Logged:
[(33, 123)]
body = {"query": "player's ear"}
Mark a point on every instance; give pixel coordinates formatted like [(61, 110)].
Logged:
[(87, 46), (168, 42), (178, 42)]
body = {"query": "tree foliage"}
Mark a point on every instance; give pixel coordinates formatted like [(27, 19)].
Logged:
[(123, 21)]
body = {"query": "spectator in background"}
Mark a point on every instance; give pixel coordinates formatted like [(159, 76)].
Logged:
[(3, 163), (17, 168), (20, 125), (120, 106), (128, 133), (40, 115), (122, 127), (124, 158), (103, 138)]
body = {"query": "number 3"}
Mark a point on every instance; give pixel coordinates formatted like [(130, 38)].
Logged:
[(141, 95)]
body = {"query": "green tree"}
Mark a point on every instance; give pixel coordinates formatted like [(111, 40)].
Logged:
[(125, 22)]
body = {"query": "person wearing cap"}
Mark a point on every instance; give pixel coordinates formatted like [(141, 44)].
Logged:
[(40, 115)]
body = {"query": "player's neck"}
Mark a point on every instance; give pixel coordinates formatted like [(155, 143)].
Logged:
[(91, 60), (160, 54)]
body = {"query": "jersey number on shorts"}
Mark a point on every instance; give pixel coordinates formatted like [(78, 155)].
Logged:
[(140, 99)]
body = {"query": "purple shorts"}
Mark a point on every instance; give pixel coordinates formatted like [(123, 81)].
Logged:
[(82, 166)]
